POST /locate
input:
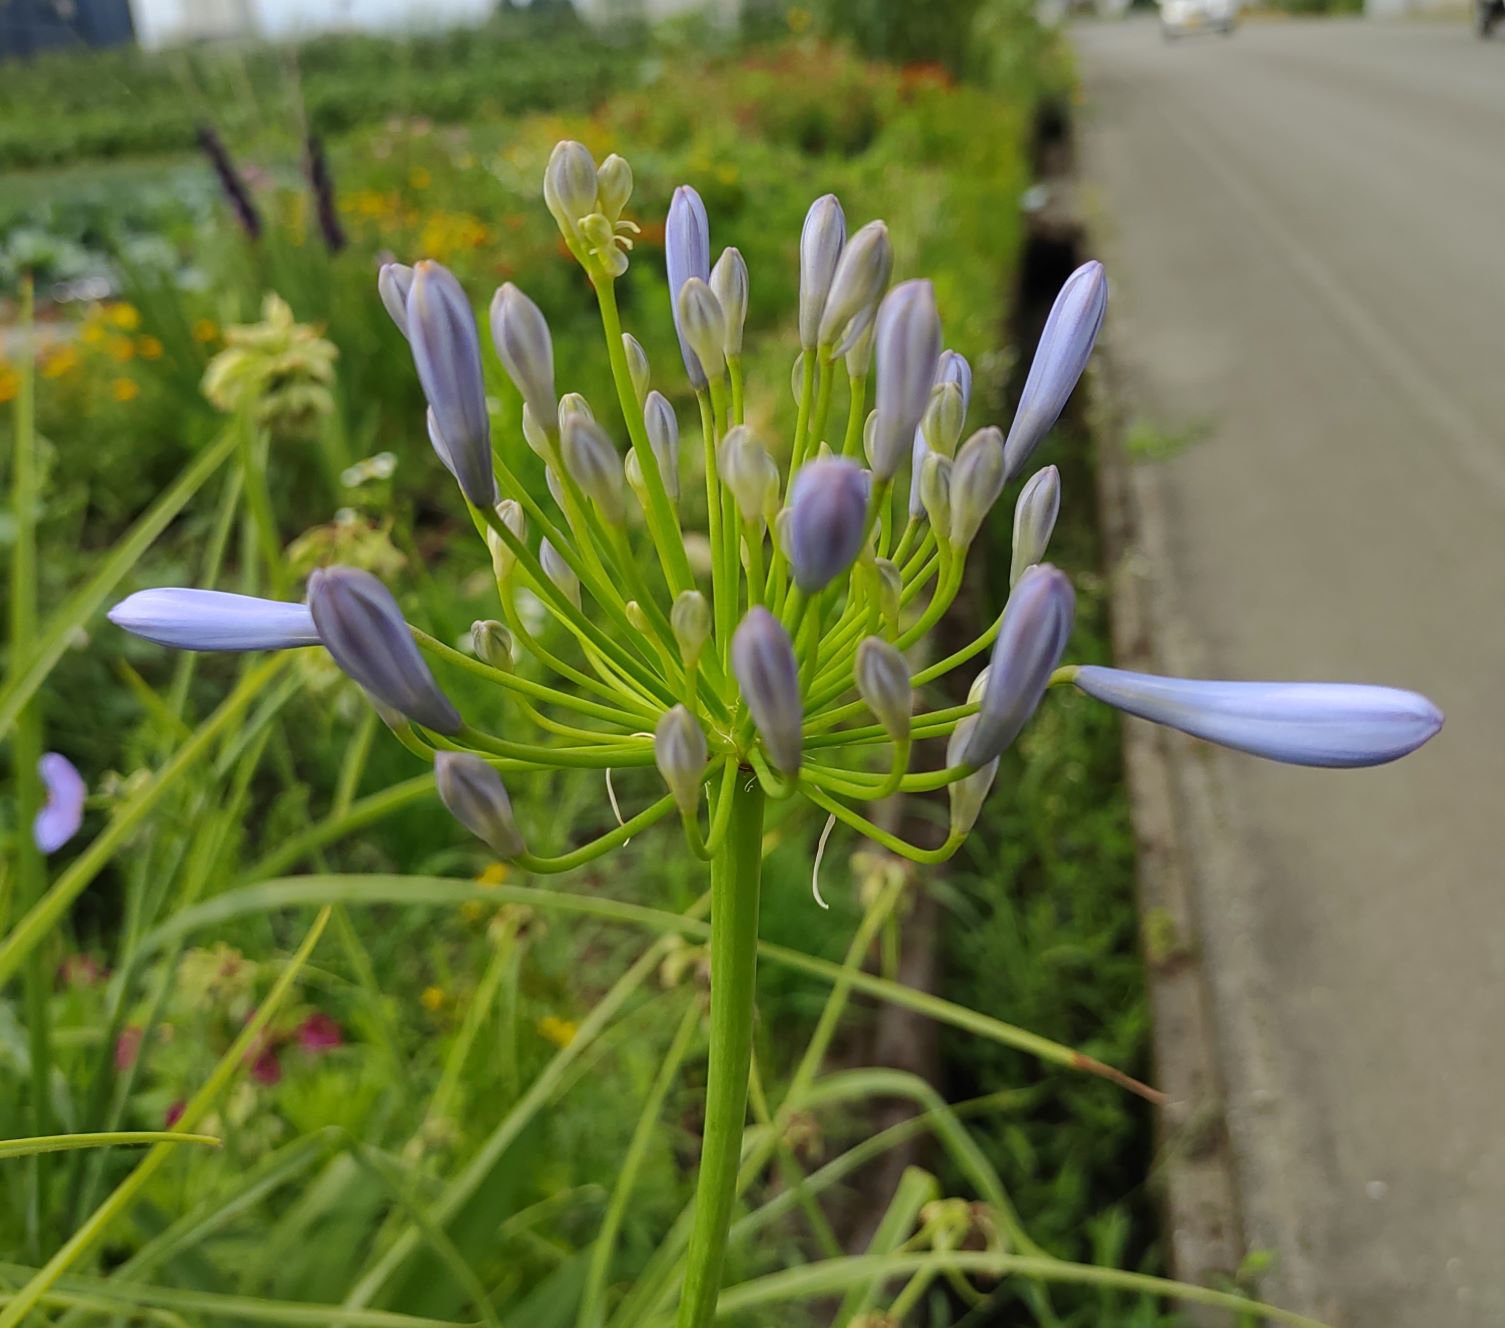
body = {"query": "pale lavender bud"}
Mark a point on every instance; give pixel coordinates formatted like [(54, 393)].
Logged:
[(687, 253), (436, 440), (935, 491), (882, 677), (702, 324), (555, 487), (59, 818), (680, 752), (393, 282), (533, 434), (523, 344), (861, 277), (821, 242), (569, 186), (613, 185), (968, 793), (492, 644), (559, 572), (860, 356), (592, 462), (214, 620), (1036, 623), (1335, 725), (1065, 346), (890, 588), (363, 629), (950, 368), (475, 796), (1035, 520), (690, 620), (729, 285), (908, 341), (447, 354), (765, 667), (637, 365), (663, 436), (976, 481), (828, 518), (748, 471)]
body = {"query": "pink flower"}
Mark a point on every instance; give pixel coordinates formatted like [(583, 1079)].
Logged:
[(266, 1069), (319, 1033), (174, 1114), (126, 1047)]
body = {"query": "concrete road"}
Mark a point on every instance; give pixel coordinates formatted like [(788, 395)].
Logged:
[(1305, 225)]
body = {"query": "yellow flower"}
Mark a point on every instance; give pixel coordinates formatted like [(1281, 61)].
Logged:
[(124, 389), (419, 178), (10, 383), (93, 333), (149, 348), (125, 316), (473, 910), (432, 999), (122, 349), (57, 362), (204, 329), (495, 874), (561, 1032)]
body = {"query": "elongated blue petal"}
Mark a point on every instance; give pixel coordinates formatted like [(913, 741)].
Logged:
[(1065, 346), (364, 630), (1331, 724), (447, 355), (687, 253), (1036, 623), (187, 619), (63, 812)]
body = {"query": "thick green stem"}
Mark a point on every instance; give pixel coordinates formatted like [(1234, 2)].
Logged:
[(736, 876)]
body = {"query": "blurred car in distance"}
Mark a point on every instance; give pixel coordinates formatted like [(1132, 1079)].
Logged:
[(1179, 18)]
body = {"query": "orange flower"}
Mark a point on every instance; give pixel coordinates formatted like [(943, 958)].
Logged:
[(204, 329), (124, 389), (149, 348)]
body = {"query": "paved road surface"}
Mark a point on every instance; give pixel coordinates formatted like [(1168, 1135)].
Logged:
[(1305, 224)]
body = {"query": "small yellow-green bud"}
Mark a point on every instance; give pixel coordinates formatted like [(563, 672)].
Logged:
[(679, 750), (533, 432), (637, 365), (502, 557), (890, 589), (559, 572), (944, 418), (636, 616), (662, 425), (935, 492), (690, 620), (492, 644), (748, 471), (569, 186), (613, 185)]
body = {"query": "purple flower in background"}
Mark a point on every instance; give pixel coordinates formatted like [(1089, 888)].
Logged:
[(1065, 346), (188, 619), (63, 812), (1335, 725), (319, 1032), (687, 253)]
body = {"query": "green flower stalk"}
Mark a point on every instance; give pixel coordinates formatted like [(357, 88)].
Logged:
[(776, 667)]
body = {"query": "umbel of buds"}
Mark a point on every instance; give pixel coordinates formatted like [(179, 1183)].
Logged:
[(755, 634)]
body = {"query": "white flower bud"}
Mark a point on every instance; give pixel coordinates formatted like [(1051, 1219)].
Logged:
[(690, 620), (729, 285), (613, 185), (702, 322), (559, 572), (637, 365)]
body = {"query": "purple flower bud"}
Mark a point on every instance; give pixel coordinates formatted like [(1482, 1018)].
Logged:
[(592, 462), (363, 629), (968, 793), (569, 186), (687, 253), (476, 797), (663, 436), (821, 242), (976, 481), (882, 677), (214, 620), (1036, 623), (1336, 725), (393, 282), (559, 572), (729, 285), (679, 751), (828, 517), (748, 471), (907, 344), (1065, 346), (861, 277), (436, 440), (951, 367), (523, 344), (61, 815), (702, 324), (1035, 520), (763, 661), (447, 354)]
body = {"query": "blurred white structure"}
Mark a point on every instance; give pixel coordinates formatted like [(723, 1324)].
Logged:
[(162, 23)]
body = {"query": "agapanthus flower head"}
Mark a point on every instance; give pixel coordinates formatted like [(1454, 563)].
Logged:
[(60, 816), (363, 629)]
